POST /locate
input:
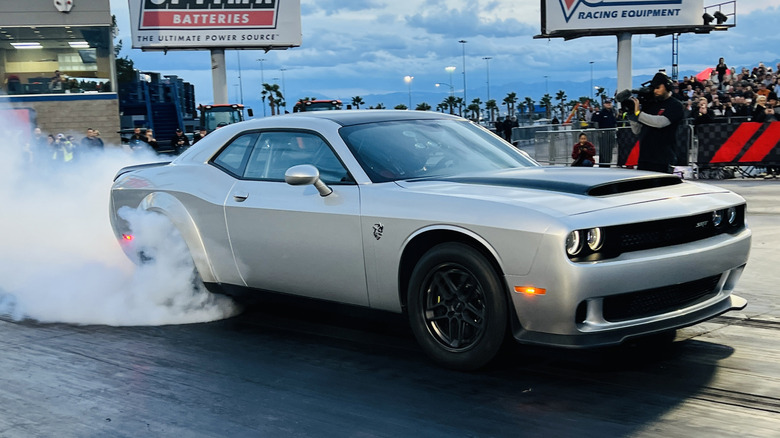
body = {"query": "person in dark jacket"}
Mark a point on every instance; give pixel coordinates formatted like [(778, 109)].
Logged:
[(151, 140), (763, 113), (656, 122), (583, 152), (702, 115), (180, 142), (199, 134)]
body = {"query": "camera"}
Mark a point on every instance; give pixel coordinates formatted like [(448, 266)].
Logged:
[(643, 94)]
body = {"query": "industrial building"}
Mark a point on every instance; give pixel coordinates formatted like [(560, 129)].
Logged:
[(57, 60)]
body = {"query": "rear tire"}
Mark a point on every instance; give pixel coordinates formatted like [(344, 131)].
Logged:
[(457, 307)]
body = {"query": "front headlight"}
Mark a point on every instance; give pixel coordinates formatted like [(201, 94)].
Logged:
[(717, 218), (574, 243), (731, 215), (595, 239)]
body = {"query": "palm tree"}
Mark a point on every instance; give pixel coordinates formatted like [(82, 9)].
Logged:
[(442, 106), (601, 93), (423, 107), (531, 105), (547, 104), (459, 102), (475, 110), (491, 107), (510, 100), (357, 101), (452, 102), (275, 97), (378, 106), (560, 96), (401, 106)]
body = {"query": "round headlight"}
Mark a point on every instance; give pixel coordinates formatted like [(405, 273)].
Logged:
[(731, 215), (573, 243), (717, 218), (595, 239)]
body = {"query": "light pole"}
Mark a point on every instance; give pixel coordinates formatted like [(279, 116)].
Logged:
[(591, 80), (408, 80), (450, 69), (463, 42), (262, 81), (240, 82), (546, 88), (452, 89), (284, 90), (487, 65)]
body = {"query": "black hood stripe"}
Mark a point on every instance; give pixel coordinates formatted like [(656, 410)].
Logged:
[(577, 188)]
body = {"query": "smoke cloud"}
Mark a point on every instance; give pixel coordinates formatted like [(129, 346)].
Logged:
[(59, 259)]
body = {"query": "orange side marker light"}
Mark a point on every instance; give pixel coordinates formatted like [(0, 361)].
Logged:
[(530, 290)]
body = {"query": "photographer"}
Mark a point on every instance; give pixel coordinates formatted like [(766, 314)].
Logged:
[(656, 125), (180, 142), (583, 152)]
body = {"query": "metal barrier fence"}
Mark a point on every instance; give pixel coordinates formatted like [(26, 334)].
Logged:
[(528, 133), (743, 147), (554, 147)]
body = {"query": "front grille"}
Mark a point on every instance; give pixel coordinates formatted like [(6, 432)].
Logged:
[(656, 234), (620, 239), (651, 302)]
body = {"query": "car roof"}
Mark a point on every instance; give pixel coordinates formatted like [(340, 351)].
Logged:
[(356, 117)]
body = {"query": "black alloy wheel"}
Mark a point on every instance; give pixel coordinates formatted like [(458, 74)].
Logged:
[(457, 308)]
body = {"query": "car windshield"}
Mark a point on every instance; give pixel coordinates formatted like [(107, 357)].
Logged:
[(397, 150)]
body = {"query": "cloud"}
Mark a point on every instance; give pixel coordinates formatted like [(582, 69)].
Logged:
[(366, 48)]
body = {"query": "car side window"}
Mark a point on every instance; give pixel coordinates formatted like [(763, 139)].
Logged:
[(233, 158), (277, 151)]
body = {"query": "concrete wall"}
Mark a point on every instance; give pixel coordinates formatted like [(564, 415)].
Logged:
[(73, 113)]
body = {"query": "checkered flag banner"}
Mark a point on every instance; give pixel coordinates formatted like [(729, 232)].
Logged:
[(748, 144)]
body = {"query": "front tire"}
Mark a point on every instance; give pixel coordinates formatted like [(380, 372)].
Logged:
[(457, 307)]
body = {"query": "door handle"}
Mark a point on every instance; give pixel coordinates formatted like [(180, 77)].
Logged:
[(240, 197)]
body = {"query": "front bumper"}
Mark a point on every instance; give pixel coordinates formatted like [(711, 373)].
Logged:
[(572, 311)]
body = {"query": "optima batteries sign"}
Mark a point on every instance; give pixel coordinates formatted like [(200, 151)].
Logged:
[(198, 24), (584, 15)]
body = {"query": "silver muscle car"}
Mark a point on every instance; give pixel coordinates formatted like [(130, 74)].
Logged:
[(431, 215)]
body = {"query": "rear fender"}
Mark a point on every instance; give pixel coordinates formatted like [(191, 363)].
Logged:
[(175, 211)]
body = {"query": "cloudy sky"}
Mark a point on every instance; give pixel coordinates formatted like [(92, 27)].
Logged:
[(366, 47)]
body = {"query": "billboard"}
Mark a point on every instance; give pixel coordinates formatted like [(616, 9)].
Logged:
[(613, 16), (206, 24)]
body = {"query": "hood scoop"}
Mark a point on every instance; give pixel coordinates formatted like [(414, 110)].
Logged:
[(633, 185)]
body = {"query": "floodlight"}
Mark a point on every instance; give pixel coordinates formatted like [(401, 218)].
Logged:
[(720, 17), (707, 19)]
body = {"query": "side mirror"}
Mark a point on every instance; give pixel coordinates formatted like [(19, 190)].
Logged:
[(305, 174), (249, 112)]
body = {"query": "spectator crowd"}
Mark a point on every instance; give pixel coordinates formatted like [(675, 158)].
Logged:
[(743, 93), (66, 148)]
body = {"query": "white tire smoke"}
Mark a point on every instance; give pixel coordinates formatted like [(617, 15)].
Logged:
[(59, 259)]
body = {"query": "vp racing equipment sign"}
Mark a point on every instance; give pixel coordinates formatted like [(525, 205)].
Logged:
[(189, 24), (572, 15)]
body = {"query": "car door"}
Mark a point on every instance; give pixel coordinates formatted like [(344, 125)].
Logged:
[(289, 238)]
